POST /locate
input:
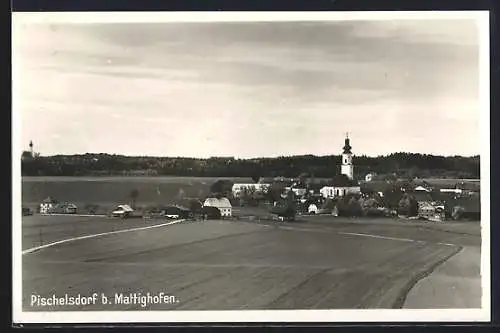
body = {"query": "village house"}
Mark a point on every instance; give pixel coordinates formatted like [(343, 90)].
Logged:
[(238, 189), (223, 204), (47, 205), (431, 212), (427, 208)]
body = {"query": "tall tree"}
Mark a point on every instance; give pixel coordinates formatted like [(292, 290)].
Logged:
[(134, 194), (256, 176)]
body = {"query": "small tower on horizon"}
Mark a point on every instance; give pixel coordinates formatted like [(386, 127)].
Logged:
[(31, 149), (347, 167)]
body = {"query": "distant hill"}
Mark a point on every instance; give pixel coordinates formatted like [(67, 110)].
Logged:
[(397, 164)]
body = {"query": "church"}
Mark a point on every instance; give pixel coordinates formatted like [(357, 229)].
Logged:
[(336, 189)]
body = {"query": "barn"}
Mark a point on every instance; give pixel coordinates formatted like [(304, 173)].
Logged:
[(223, 204)]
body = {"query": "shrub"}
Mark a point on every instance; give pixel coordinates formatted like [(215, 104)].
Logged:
[(285, 208), (349, 206), (375, 212), (195, 206), (408, 206), (457, 212), (221, 188), (211, 212)]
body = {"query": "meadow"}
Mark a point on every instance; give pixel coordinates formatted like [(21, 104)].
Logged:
[(111, 191)]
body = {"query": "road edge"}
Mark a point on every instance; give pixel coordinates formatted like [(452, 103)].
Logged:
[(403, 294)]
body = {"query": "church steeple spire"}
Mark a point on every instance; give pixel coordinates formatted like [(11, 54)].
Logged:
[(347, 145)]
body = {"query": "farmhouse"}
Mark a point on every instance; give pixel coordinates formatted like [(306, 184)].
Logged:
[(427, 208), (430, 212), (47, 205), (237, 189), (223, 204)]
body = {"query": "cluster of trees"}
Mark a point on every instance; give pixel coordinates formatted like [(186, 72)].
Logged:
[(398, 164)]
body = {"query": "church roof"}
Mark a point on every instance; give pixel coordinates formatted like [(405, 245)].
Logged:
[(49, 200)]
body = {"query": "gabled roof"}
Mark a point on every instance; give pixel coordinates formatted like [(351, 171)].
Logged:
[(68, 205), (421, 188), (333, 186), (425, 205), (126, 208), (49, 200), (219, 203)]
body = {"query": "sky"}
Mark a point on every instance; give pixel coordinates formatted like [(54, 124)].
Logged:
[(249, 89)]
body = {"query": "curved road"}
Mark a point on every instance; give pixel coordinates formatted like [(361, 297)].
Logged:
[(230, 265)]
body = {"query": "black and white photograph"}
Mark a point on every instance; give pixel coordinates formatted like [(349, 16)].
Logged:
[(251, 167)]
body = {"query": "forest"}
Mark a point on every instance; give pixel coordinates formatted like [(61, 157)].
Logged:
[(394, 165)]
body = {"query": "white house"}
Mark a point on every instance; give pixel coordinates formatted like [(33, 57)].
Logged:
[(223, 204), (338, 191), (47, 204)]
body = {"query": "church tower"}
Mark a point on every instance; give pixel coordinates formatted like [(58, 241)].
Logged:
[(347, 168)]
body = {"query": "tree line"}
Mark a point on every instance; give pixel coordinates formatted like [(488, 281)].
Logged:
[(397, 164)]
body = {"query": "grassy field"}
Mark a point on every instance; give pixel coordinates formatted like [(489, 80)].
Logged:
[(110, 191)]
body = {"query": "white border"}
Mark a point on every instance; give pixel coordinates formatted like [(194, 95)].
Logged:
[(484, 97), (404, 315)]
